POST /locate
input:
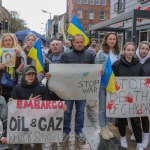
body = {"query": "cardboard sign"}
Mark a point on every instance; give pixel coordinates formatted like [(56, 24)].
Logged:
[(75, 81), (131, 99), (34, 121), (9, 57)]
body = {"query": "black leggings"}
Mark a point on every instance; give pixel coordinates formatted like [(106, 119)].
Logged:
[(136, 126)]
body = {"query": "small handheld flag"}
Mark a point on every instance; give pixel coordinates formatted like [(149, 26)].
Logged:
[(36, 54)]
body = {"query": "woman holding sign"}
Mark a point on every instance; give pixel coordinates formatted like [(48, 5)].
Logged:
[(110, 49), (143, 54), (128, 65), (9, 43)]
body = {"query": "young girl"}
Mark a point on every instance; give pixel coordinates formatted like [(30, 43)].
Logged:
[(109, 49), (143, 54), (128, 65)]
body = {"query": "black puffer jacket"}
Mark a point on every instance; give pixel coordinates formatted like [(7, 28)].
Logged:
[(124, 68), (77, 57), (23, 90), (146, 68)]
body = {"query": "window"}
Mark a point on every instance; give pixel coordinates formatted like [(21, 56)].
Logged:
[(91, 14), (79, 13), (78, 1), (97, 2), (119, 6), (90, 25), (102, 15), (103, 2), (85, 1), (91, 2)]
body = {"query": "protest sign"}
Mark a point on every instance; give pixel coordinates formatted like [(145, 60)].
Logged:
[(34, 121), (75, 81), (131, 99), (9, 57)]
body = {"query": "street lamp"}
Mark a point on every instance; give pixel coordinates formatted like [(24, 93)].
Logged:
[(47, 12)]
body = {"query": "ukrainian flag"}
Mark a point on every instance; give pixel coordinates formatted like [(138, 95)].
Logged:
[(36, 54), (108, 79), (75, 27)]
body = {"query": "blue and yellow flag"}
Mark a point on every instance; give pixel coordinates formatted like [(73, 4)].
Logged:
[(75, 27), (108, 79), (36, 54)]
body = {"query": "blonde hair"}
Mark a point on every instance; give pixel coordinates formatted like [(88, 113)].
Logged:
[(26, 38), (14, 39)]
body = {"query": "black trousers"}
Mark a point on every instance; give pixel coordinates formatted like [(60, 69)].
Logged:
[(145, 124), (136, 126)]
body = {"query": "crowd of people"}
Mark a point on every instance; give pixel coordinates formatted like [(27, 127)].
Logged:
[(28, 83)]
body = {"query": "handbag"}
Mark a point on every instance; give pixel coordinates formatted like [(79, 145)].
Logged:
[(6, 80)]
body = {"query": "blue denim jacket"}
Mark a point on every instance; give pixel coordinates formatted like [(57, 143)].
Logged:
[(101, 58)]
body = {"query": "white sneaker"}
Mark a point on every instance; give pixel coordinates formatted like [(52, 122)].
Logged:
[(145, 142), (104, 134), (123, 142), (139, 148), (111, 135), (132, 138)]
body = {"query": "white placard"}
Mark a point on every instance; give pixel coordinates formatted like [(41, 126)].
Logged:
[(75, 81), (34, 121), (131, 99)]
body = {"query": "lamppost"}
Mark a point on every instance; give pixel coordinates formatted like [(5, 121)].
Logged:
[(47, 12), (49, 36)]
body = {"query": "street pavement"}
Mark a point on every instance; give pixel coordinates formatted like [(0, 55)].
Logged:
[(91, 131)]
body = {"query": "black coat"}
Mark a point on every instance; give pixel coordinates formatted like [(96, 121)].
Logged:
[(124, 68), (77, 57), (146, 68)]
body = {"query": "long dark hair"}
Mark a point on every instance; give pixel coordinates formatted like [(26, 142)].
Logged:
[(105, 46)]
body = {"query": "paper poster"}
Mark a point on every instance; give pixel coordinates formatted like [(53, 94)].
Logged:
[(34, 121), (131, 99), (9, 57), (75, 81)]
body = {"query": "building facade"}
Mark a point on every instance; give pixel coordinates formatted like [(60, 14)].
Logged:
[(122, 7), (89, 12)]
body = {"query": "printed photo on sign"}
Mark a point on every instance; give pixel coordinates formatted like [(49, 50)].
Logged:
[(131, 99), (34, 121), (75, 81), (9, 57)]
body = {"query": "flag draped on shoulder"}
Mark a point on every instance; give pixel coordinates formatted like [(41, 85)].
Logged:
[(75, 27), (108, 79), (36, 54)]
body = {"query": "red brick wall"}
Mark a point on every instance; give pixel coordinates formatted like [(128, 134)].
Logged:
[(85, 21)]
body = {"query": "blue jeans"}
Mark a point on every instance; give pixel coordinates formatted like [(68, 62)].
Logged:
[(103, 120), (79, 116)]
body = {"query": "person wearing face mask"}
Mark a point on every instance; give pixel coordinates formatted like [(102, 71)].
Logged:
[(143, 54), (128, 65), (110, 49)]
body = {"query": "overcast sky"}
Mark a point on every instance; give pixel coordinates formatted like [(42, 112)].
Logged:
[(30, 11)]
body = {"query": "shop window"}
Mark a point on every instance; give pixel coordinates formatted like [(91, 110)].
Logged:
[(119, 6), (143, 36)]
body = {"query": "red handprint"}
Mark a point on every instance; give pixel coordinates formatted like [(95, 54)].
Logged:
[(128, 99), (110, 104), (117, 86), (147, 82), (139, 111)]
